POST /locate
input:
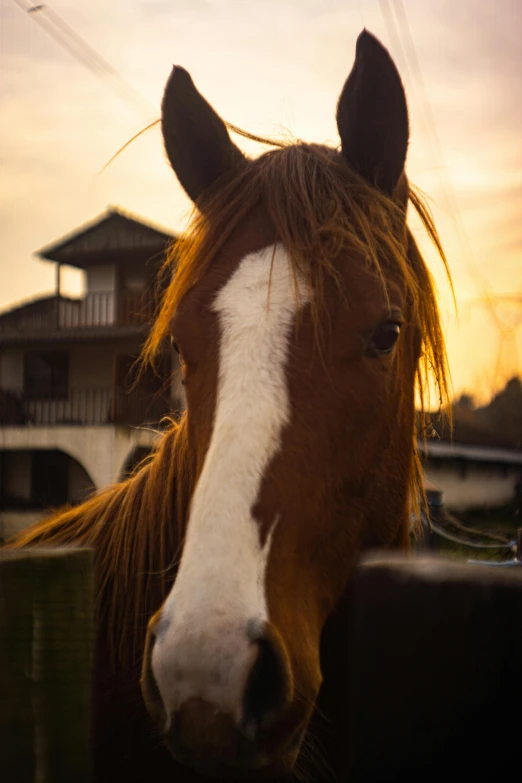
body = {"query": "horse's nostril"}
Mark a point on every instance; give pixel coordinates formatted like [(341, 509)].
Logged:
[(268, 686)]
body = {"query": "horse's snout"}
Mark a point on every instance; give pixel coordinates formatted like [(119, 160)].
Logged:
[(219, 701)]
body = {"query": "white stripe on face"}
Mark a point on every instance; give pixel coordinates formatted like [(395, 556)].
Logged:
[(203, 649)]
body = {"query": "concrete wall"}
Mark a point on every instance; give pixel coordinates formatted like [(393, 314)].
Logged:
[(474, 485), (102, 451)]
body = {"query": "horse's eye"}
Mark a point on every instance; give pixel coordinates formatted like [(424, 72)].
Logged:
[(175, 347), (384, 338)]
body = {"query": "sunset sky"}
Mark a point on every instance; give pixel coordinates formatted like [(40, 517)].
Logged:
[(269, 65)]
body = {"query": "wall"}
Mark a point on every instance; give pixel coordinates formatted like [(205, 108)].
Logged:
[(91, 366), (12, 522), (133, 279), (99, 304), (473, 485), (12, 369), (80, 484), (91, 377), (101, 278), (16, 476), (102, 451)]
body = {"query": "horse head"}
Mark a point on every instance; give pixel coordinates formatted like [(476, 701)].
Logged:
[(300, 309)]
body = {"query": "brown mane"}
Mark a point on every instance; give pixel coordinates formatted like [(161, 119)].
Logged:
[(318, 206)]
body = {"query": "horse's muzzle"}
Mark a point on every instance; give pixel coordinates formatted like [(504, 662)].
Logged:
[(210, 743), (262, 736)]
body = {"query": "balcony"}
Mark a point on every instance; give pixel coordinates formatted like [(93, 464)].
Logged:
[(96, 311), (83, 407), (106, 308)]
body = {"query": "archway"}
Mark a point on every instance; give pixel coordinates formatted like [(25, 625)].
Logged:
[(33, 482)]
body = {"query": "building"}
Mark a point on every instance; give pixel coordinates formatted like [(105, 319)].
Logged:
[(472, 476), (69, 423)]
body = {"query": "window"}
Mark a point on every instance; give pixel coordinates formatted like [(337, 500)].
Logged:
[(50, 478), (46, 375)]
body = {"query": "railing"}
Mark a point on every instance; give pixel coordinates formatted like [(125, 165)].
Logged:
[(83, 407), (107, 308), (96, 309)]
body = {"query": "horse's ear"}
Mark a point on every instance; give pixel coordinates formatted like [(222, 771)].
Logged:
[(372, 116), (196, 139)]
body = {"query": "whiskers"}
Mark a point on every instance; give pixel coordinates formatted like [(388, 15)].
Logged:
[(312, 765), (304, 699)]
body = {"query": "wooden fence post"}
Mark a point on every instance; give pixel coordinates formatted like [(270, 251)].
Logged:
[(431, 685), (46, 656)]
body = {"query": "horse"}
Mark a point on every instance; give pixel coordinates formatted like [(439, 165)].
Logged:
[(305, 319)]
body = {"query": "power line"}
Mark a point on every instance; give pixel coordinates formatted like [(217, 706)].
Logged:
[(77, 47), (401, 36)]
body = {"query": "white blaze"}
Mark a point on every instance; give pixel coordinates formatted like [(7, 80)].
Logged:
[(203, 648)]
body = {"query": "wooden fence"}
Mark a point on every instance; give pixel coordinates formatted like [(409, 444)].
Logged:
[(46, 655), (427, 655), (431, 685)]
